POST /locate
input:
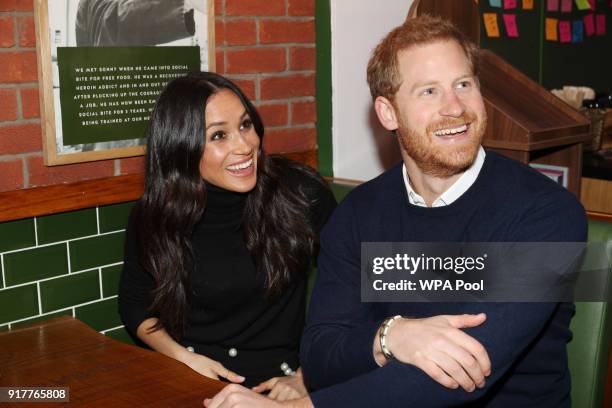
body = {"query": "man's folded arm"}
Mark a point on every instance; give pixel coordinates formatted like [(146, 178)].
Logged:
[(509, 330), (337, 341), (337, 344)]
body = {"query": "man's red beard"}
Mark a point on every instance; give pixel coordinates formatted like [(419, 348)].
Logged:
[(443, 160)]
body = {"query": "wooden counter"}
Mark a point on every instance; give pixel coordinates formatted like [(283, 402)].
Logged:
[(99, 371)]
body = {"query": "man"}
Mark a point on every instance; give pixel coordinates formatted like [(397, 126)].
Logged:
[(448, 189)]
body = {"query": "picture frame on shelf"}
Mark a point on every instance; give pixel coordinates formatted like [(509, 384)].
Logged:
[(558, 174)]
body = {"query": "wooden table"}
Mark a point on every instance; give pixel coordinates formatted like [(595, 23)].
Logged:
[(99, 371)]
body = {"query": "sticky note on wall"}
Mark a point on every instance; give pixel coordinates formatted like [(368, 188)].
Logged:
[(491, 26), (583, 4), (566, 6), (589, 24), (527, 4), (495, 3), (577, 31), (600, 24), (551, 29), (565, 32), (509, 4), (511, 27), (552, 5)]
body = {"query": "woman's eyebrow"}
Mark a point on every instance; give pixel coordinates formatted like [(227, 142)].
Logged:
[(221, 123), (215, 124)]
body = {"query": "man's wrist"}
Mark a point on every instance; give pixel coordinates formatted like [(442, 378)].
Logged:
[(305, 402), (379, 359), (384, 332), (379, 356)]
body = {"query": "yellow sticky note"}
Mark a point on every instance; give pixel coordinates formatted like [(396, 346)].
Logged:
[(527, 4), (491, 26), (551, 29)]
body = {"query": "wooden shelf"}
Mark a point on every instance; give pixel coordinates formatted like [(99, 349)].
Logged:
[(521, 112), (34, 202), (528, 123)]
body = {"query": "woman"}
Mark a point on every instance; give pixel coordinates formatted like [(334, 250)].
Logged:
[(219, 245)]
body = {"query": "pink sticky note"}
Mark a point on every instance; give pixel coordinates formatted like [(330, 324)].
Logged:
[(566, 6), (592, 3), (553, 5), (565, 31), (600, 24), (589, 24), (509, 4), (511, 27)]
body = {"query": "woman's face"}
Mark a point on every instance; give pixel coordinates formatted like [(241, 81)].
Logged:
[(230, 153)]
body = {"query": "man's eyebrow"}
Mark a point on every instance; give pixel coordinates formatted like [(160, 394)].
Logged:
[(426, 83), (466, 76), (423, 84)]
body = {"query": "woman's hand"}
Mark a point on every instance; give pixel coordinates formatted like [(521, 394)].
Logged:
[(439, 347), (284, 388), (161, 341), (210, 368)]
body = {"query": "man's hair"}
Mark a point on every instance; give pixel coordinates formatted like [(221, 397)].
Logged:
[(384, 77)]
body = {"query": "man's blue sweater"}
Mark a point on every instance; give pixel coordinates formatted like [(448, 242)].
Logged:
[(526, 342)]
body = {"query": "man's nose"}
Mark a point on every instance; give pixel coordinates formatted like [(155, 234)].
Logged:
[(452, 105)]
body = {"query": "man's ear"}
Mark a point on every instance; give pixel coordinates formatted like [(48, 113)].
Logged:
[(386, 113)]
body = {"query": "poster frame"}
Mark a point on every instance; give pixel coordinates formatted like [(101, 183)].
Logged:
[(47, 102)]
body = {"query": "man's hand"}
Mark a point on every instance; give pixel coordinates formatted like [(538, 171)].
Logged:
[(284, 388), (439, 347), (237, 396)]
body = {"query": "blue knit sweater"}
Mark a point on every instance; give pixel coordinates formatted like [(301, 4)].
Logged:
[(509, 202)]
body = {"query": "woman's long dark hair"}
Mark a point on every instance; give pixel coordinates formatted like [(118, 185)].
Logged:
[(277, 233)]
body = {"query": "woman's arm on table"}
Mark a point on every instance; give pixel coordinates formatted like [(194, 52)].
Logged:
[(161, 341)]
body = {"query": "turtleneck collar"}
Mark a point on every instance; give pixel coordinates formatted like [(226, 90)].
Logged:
[(223, 207)]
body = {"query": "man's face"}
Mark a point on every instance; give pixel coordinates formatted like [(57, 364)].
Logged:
[(439, 111)]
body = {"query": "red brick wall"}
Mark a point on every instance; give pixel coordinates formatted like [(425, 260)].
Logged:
[(266, 46)]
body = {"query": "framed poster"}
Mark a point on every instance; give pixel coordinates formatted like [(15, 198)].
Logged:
[(558, 174), (102, 64)]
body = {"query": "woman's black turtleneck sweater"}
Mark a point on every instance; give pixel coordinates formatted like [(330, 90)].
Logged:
[(229, 319)]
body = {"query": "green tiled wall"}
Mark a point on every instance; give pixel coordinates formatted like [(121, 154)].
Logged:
[(59, 227), (99, 315), (64, 264), (34, 264), (17, 234), (110, 280)]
